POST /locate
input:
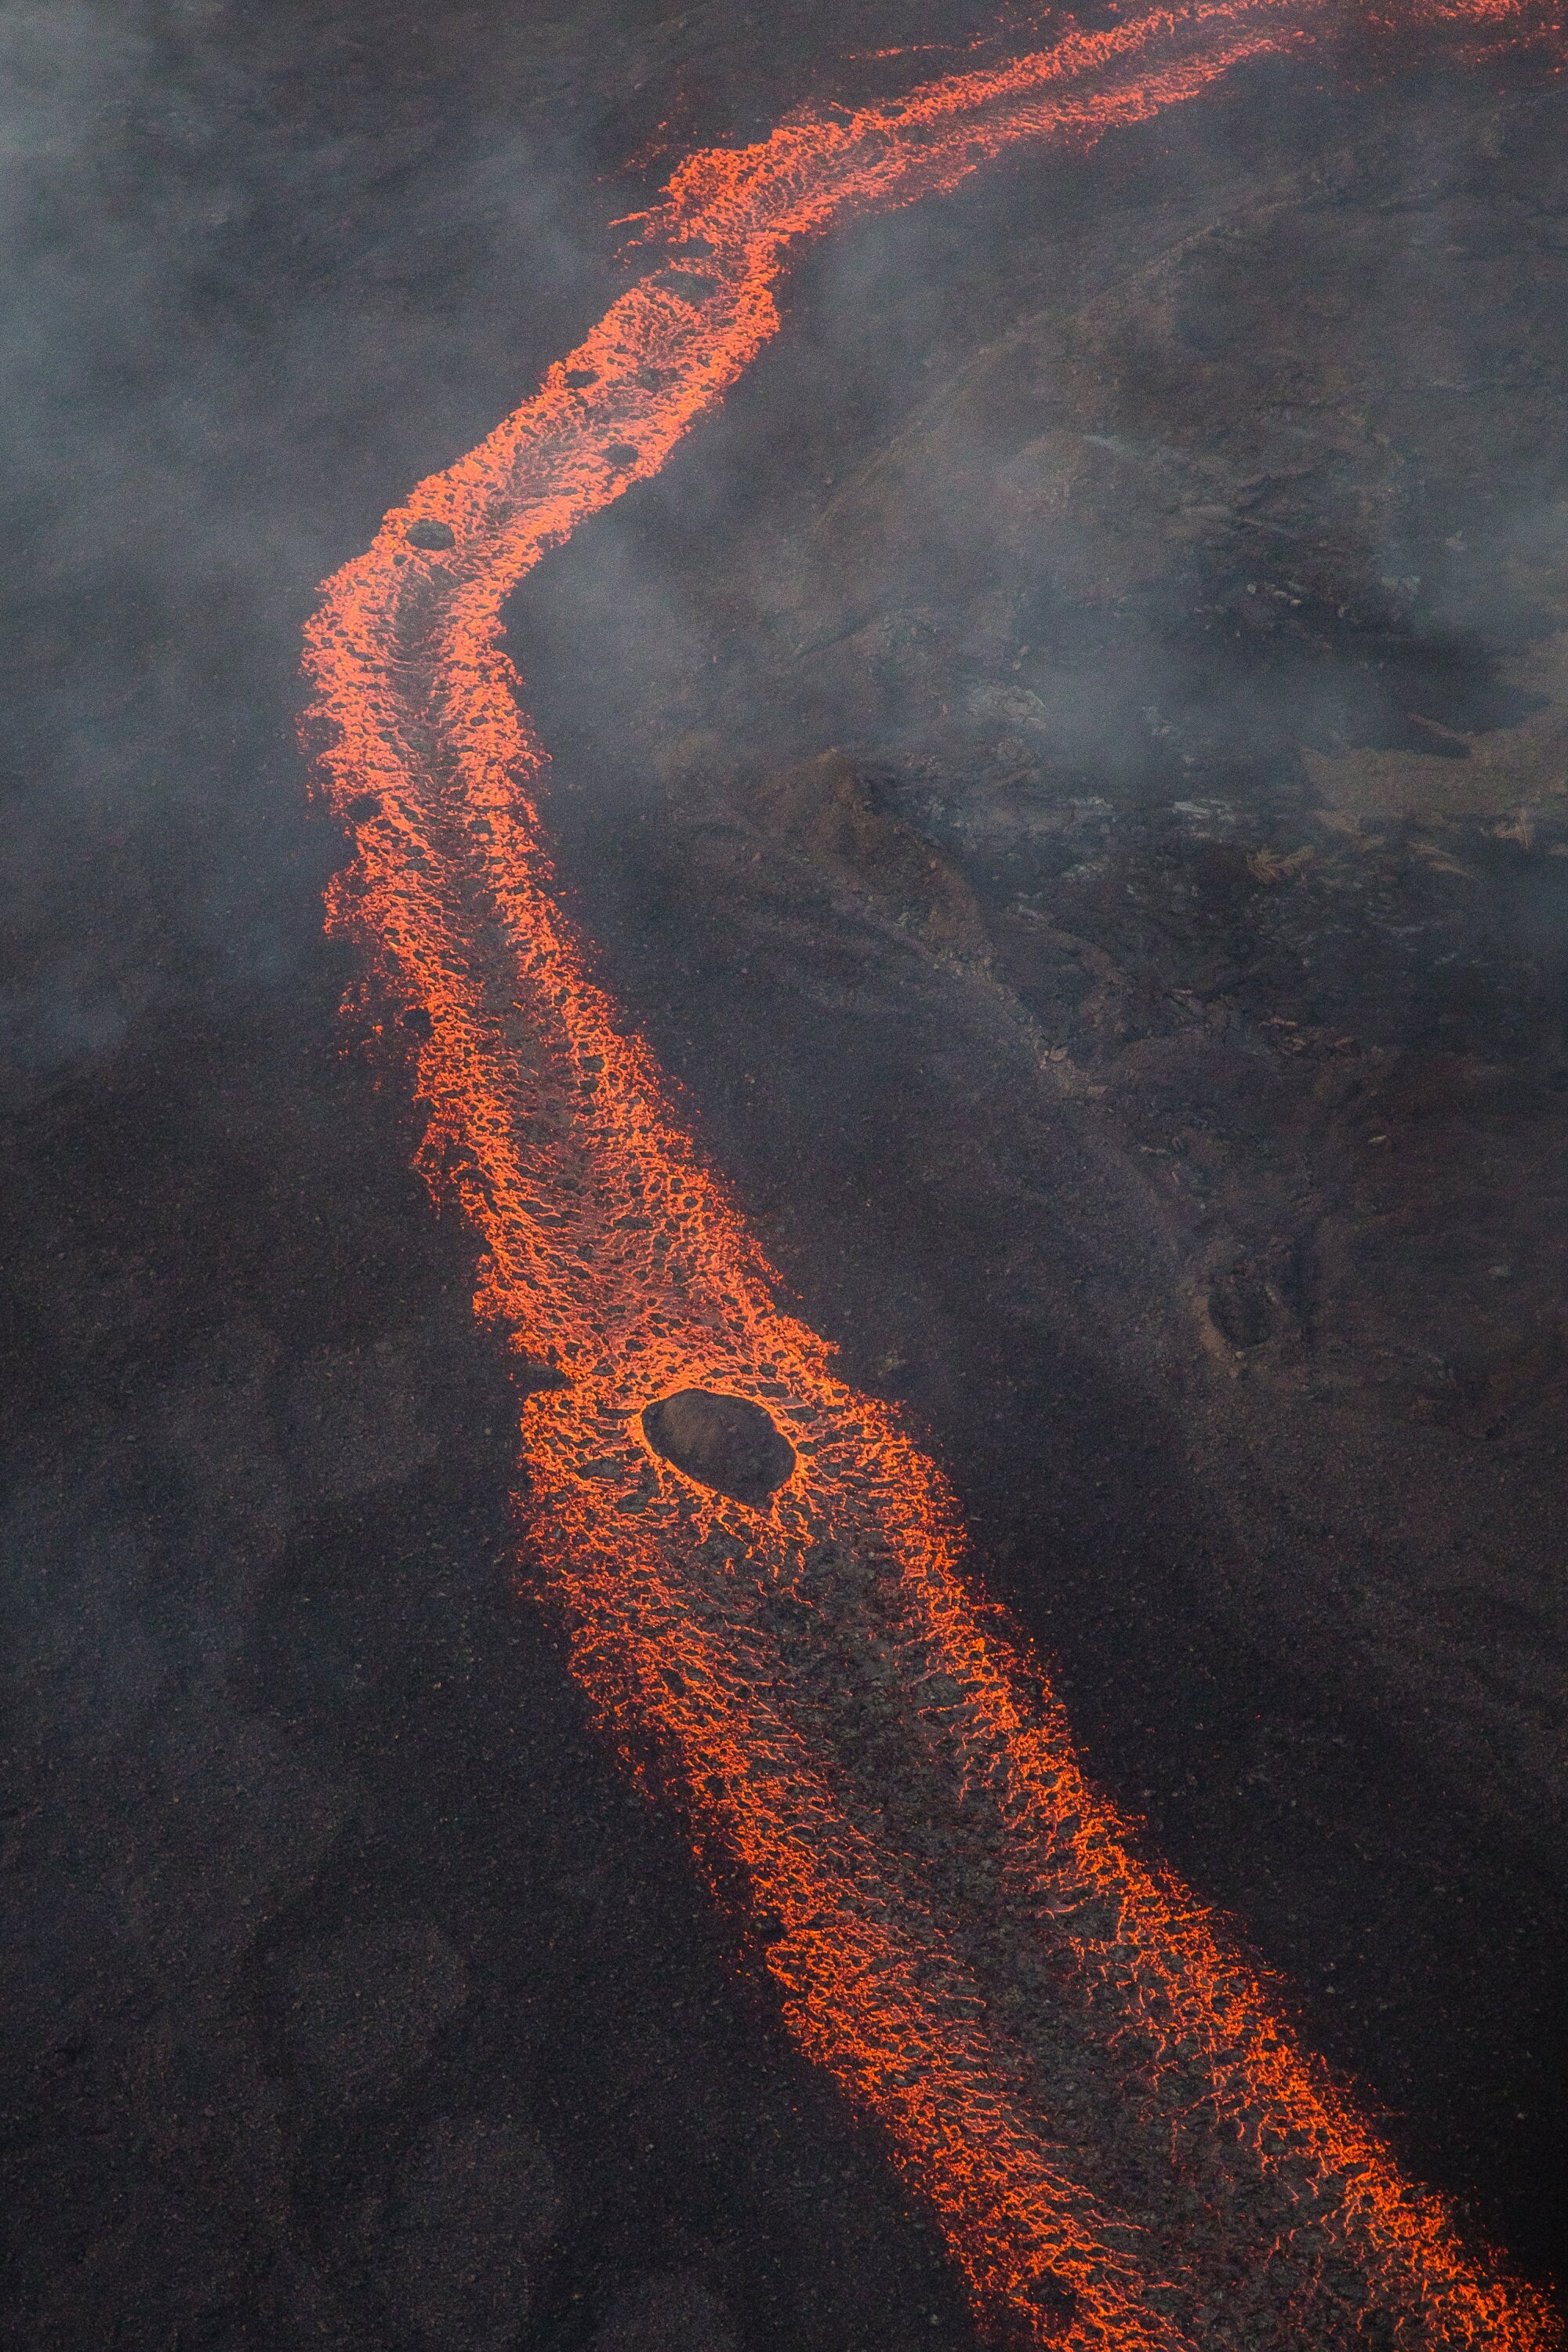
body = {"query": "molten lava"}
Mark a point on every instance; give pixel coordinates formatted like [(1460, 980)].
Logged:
[(1122, 2141)]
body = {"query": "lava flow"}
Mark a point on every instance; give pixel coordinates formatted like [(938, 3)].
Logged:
[(1121, 2140)]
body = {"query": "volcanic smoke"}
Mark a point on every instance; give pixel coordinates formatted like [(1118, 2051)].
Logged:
[(1123, 2144)]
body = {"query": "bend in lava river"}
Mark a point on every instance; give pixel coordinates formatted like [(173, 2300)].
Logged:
[(1122, 2141)]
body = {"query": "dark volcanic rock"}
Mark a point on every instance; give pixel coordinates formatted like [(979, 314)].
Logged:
[(359, 2013), (660, 2315), (825, 811), (477, 2201), (430, 535), (723, 1441)]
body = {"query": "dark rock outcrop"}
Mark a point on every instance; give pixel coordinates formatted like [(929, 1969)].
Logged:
[(724, 1441)]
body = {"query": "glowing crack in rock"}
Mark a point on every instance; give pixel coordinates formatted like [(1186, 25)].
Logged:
[(1122, 2142)]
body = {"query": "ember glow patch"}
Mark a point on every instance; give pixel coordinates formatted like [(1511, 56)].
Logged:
[(1122, 2142)]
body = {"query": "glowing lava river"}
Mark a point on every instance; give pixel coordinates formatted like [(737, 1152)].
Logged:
[(1122, 2142)]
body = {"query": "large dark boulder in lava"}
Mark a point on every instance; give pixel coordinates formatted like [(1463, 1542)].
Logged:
[(724, 1442)]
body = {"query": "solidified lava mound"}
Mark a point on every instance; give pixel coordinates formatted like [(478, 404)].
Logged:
[(724, 1442)]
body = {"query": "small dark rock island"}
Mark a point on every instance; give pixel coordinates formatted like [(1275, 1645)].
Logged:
[(724, 1441)]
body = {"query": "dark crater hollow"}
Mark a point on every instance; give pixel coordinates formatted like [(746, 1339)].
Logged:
[(724, 1442)]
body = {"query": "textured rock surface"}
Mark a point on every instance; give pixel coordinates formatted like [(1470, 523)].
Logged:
[(666, 2315)]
